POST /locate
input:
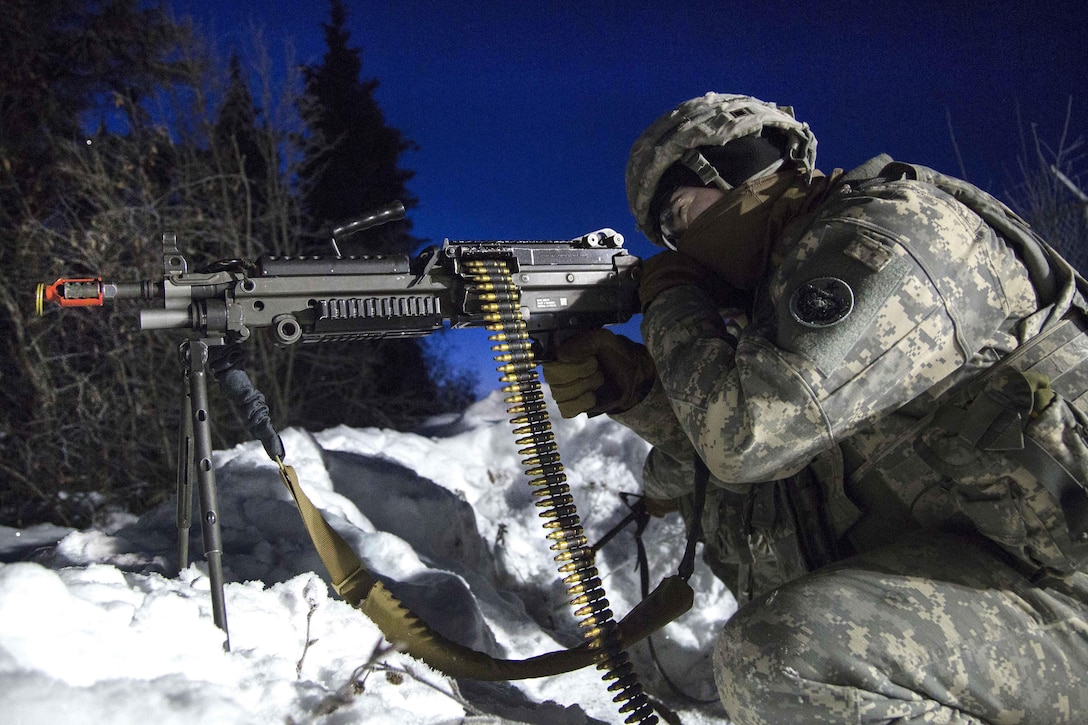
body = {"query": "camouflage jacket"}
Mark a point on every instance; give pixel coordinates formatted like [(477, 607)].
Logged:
[(834, 421)]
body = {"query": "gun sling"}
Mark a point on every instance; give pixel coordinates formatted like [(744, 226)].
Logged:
[(357, 586)]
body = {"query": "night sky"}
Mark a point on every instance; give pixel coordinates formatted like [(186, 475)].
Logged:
[(524, 112)]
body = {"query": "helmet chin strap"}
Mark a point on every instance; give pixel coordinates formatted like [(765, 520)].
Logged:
[(706, 172)]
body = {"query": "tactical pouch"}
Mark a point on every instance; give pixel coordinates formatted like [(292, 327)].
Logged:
[(769, 535), (1014, 451)]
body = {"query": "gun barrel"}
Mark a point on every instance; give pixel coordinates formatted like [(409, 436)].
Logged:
[(134, 290), (165, 319), (92, 292)]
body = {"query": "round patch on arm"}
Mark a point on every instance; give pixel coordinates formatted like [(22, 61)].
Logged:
[(822, 302)]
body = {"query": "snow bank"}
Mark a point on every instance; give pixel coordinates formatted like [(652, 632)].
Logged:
[(99, 627)]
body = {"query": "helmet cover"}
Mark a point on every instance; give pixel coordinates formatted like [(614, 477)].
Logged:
[(714, 119)]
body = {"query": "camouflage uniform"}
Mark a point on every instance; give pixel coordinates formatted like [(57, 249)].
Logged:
[(948, 587)]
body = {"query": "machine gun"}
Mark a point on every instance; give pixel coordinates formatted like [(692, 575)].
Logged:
[(530, 294), (562, 286)]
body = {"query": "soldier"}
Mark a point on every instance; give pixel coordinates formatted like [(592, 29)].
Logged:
[(884, 373)]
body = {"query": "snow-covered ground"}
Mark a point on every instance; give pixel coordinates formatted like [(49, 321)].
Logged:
[(97, 627)]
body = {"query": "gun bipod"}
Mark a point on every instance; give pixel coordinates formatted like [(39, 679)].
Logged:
[(545, 470), (195, 453)]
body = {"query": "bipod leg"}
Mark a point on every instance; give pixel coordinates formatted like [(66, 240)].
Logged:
[(185, 470), (194, 356)]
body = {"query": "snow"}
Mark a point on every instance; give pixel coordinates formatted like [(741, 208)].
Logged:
[(97, 626)]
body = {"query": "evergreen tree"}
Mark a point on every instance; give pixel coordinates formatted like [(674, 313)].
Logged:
[(351, 167), (352, 155), (236, 136)]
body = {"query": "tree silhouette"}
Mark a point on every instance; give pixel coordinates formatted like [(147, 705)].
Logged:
[(351, 166), (236, 136), (352, 155), (89, 403)]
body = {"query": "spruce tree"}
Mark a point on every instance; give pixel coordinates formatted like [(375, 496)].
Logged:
[(352, 166), (352, 154), (236, 138), (90, 402)]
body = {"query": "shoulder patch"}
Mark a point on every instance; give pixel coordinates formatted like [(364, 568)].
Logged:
[(822, 302), (825, 303)]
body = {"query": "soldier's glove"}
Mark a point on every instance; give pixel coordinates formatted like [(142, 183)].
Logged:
[(669, 269), (597, 372)]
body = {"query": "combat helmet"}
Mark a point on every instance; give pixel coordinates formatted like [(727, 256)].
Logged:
[(687, 145)]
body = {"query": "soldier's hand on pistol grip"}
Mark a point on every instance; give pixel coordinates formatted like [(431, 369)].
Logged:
[(598, 371)]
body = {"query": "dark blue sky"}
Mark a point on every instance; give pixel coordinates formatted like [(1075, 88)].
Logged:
[(524, 111)]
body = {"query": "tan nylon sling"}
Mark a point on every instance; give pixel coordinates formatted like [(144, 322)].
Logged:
[(406, 631)]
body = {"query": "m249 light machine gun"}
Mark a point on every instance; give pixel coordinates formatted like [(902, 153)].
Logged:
[(562, 287), (529, 294)]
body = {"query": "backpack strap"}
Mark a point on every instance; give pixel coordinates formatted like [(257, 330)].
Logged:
[(871, 169)]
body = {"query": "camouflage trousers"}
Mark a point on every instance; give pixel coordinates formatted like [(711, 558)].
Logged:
[(937, 629)]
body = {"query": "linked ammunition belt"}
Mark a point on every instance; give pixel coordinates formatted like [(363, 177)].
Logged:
[(501, 302)]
